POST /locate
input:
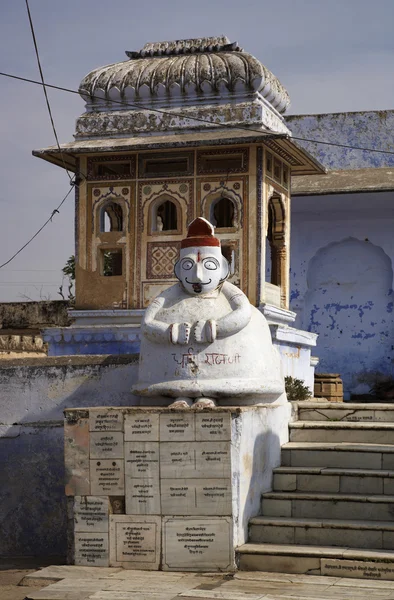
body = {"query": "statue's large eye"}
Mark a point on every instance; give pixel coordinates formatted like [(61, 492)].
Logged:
[(187, 264), (211, 264)]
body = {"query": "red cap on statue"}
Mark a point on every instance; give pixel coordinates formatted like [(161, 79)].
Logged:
[(200, 233)]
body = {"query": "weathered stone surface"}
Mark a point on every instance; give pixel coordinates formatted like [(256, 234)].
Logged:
[(106, 444), (177, 427), (76, 458), (197, 459), (91, 514), (135, 542), (91, 549), (141, 427), (213, 427), (143, 496), (141, 459), (197, 544), (101, 419), (196, 497), (357, 569), (107, 477)]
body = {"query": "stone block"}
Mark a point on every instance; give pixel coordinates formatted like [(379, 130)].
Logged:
[(135, 542), (143, 496), (142, 459), (280, 564), (271, 534), (197, 544), (276, 508), (196, 497), (76, 457), (106, 444), (196, 459), (317, 483), (141, 427), (101, 419), (177, 427), (351, 484), (213, 427), (325, 536), (107, 477), (285, 482), (91, 549), (91, 514), (357, 569)]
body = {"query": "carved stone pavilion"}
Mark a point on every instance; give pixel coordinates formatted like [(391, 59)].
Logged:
[(179, 130)]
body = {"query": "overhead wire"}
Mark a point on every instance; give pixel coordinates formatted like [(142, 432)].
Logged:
[(44, 87), (199, 119), (56, 210)]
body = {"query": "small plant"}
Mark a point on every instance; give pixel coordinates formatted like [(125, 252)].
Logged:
[(296, 389), (69, 273)]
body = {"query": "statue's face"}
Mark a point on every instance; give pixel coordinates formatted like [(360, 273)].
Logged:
[(201, 269)]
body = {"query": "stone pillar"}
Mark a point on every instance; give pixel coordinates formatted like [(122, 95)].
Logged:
[(168, 489)]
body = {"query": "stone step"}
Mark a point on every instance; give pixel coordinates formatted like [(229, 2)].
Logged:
[(343, 411), (328, 506), (317, 560), (322, 479), (328, 431), (325, 532), (342, 455)]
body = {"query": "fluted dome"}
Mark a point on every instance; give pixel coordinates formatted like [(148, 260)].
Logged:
[(180, 72)]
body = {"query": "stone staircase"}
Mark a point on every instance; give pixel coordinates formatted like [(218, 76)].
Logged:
[(331, 511)]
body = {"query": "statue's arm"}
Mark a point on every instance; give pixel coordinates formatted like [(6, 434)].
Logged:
[(239, 317), (160, 332)]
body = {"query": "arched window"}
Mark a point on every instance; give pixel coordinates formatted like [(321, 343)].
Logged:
[(111, 217), (164, 217), (222, 213)]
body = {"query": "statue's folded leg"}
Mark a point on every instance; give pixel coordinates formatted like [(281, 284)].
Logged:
[(204, 403), (181, 403)]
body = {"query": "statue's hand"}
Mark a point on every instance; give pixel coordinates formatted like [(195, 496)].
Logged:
[(204, 331), (180, 333)]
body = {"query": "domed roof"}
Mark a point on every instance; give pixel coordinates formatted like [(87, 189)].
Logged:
[(182, 70)]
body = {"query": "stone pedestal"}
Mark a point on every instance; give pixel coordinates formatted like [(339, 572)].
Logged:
[(157, 488)]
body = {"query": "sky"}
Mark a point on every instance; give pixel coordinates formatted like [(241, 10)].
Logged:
[(332, 56)]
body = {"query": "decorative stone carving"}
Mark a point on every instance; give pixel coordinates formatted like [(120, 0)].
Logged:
[(201, 337), (175, 69)]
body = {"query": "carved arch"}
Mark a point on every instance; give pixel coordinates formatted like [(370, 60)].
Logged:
[(110, 212), (223, 197), (165, 215), (277, 224)]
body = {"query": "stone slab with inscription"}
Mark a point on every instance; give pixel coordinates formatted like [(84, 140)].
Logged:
[(91, 514), (135, 542), (177, 427), (107, 444), (76, 457), (213, 427), (195, 459), (358, 569), (196, 497), (142, 459), (91, 549), (193, 544), (141, 427), (107, 477), (143, 496), (101, 419)]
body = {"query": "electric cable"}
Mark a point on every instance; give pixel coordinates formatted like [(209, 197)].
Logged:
[(44, 88), (194, 118), (56, 210)]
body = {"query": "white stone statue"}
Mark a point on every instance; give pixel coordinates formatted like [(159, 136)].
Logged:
[(201, 338)]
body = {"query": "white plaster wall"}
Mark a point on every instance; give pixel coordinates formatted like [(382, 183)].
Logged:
[(256, 439), (342, 253)]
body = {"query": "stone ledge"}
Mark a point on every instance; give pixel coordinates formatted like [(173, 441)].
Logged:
[(72, 361)]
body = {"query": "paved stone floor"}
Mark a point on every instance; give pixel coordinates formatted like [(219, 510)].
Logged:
[(83, 583)]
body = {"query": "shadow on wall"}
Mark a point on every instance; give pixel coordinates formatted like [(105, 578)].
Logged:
[(349, 303)]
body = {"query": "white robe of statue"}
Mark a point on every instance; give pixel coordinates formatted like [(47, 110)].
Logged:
[(202, 339)]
